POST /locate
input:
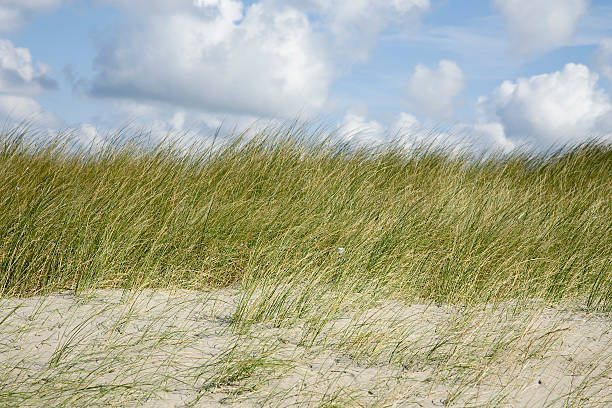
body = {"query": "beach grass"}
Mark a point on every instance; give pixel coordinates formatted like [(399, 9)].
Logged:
[(425, 223)]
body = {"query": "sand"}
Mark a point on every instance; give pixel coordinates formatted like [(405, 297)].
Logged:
[(179, 348)]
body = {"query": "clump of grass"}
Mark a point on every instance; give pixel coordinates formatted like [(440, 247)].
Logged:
[(276, 206)]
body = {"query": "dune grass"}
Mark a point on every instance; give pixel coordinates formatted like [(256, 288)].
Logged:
[(278, 205)]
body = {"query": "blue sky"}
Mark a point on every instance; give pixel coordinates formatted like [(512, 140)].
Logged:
[(499, 73)]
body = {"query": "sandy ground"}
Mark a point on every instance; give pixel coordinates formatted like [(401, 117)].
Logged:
[(174, 349)]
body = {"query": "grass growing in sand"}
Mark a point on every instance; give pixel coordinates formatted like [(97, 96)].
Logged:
[(461, 278)]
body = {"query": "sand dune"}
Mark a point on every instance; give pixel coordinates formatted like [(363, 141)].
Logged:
[(174, 349)]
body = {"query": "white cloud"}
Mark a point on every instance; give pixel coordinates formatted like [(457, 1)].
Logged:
[(434, 90), (217, 55), (26, 109), (462, 137), (271, 58), (20, 79), (89, 137), (14, 13), (357, 130), (165, 118), (411, 133), (183, 127), (18, 74), (406, 123), (603, 57), (541, 25), (354, 24), (560, 107), (484, 136), (10, 19)]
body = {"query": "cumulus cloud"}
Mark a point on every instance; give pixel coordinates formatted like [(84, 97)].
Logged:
[(14, 13), (434, 90), (406, 123), (461, 137), (180, 127), (267, 58), (20, 79), (603, 57), (168, 118), (541, 25), (559, 107), (409, 132), (357, 130), (486, 136), (217, 55), (89, 137), (18, 74), (23, 108)]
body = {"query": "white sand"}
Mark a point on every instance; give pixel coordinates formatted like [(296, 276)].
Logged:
[(173, 349)]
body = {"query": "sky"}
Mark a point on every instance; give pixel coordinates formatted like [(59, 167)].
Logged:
[(491, 74)]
